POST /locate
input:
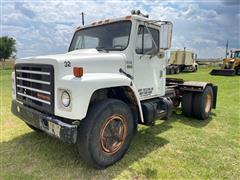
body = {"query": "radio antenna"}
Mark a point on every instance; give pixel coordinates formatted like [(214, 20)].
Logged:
[(82, 18)]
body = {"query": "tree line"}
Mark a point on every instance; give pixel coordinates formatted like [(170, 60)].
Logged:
[(7, 47)]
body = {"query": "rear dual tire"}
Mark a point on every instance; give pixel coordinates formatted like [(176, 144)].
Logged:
[(177, 70), (198, 105), (173, 70)]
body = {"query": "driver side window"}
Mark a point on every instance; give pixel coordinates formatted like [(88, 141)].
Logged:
[(144, 43)]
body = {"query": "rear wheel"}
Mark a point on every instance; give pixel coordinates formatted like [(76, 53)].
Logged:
[(105, 134), (172, 71), (202, 103), (167, 71), (177, 70)]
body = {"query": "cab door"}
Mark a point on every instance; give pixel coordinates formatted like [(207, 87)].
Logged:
[(149, 67)]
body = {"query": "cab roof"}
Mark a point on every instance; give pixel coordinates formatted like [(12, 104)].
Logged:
[(130, 17)]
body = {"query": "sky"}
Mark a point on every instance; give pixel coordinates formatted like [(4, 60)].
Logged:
[(43, 27)]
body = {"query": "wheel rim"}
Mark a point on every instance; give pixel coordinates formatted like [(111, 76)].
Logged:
[(208, 103), (113, 134)]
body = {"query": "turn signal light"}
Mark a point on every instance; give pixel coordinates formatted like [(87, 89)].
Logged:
[(78, 71)]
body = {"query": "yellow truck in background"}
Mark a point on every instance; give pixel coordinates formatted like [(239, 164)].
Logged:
[(182, 60), (230, 66)]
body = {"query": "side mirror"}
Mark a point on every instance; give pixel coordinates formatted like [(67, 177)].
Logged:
[(165, 35)]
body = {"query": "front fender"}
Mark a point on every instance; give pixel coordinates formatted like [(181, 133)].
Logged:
[(82, 89)]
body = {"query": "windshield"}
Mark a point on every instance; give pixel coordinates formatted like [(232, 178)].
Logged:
[(237, 54), (114, 36)]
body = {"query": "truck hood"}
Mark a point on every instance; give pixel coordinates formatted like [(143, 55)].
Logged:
[(91, 60)]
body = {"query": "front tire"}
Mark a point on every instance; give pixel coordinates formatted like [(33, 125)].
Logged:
[(105, 134)]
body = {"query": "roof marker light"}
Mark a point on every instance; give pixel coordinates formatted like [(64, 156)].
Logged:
[(128, 17)]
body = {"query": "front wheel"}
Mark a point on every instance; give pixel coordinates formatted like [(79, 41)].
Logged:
[(105, 134)]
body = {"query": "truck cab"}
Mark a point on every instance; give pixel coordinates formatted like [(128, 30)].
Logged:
[(112, 78), (141, 51)]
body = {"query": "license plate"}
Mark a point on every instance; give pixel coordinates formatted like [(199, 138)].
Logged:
[(54, 128)]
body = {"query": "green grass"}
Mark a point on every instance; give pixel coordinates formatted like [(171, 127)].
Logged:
[(179, 148)]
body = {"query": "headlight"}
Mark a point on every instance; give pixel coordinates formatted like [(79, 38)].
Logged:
[(65, 98)]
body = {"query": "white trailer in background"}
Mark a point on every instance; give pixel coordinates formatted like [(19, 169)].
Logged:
[(182, 60)]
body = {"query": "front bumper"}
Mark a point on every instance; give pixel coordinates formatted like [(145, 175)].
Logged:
[(49, 124)]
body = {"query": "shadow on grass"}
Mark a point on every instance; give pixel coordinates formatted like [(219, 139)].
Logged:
[(196, 123), (50, 155)]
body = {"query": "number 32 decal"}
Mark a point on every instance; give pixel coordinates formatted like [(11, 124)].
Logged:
[(67, 64)]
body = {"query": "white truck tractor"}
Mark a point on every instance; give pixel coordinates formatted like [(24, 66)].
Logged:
[(112, 79)]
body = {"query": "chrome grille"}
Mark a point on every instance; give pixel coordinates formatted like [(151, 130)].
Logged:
[(35, 86)]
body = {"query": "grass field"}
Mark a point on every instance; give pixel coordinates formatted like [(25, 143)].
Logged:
[(179, 148), (7, 65)]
